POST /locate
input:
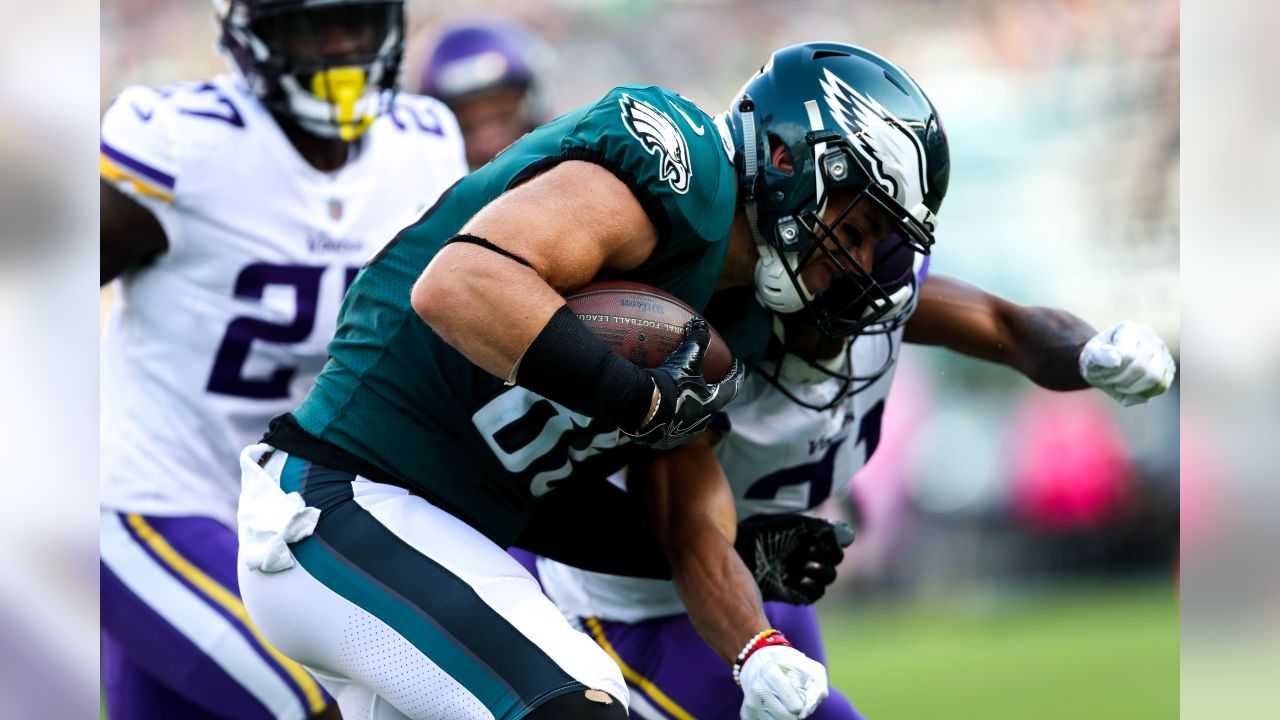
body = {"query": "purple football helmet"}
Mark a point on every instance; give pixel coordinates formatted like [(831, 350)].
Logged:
[(479, 57), (329, 65)]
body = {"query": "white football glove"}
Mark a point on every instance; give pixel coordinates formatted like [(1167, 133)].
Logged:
[(1129, 362), (781, 683)]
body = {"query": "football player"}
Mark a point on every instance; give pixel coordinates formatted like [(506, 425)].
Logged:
[(807, 419), (805, 422), (461, 393), (235, 213), (494, 76)]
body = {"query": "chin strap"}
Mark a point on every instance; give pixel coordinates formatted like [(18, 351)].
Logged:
[(773, 284), (747, 111)]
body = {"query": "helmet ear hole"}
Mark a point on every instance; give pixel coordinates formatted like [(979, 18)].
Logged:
[(780, 156)]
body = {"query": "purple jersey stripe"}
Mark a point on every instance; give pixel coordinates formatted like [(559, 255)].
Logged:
[(142, 168), (254, 641), (151, 670), (924, 270)]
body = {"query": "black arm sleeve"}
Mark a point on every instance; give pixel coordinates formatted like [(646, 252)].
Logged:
[(567, 364)]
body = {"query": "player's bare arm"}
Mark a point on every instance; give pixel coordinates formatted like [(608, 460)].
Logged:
[(1041, 343), (131, 235), (569, 223), (1051, 347), (691, 507), (494, 292)]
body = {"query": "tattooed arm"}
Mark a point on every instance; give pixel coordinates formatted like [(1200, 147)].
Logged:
[(1043, 344)]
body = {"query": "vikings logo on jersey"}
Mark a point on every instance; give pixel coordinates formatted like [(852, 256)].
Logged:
[(892, 151), (657, 132)]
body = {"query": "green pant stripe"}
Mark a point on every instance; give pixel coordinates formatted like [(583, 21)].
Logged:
[(360, 559)]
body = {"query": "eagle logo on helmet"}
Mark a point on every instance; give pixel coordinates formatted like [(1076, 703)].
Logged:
[(657, 133), (894, 153)]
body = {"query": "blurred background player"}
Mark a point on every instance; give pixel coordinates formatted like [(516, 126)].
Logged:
[(809, 417), (494, 75), (235, 213)]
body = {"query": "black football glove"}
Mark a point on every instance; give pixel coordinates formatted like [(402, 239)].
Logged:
[(686, 401), (792, 557)]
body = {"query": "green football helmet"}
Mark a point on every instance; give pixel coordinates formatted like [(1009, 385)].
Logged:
[(851, 122)]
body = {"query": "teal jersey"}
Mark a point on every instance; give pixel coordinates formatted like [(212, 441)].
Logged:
[(398, 398)]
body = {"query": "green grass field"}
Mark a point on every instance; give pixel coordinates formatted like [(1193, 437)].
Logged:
[(1109, 653), (1102, 654)]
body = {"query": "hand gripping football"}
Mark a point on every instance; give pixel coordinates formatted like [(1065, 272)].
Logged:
[(643, 324)]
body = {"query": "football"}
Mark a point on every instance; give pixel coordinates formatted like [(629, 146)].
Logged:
[(643, 324)]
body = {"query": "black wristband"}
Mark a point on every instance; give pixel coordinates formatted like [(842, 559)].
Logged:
[(569, 365)]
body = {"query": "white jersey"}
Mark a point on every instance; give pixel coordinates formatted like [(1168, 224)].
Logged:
[(778, 457), (229, 326)]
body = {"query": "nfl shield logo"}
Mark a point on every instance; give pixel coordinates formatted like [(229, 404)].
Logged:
[(335, 209)]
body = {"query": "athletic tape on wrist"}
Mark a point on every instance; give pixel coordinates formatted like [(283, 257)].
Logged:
[(569, 365)]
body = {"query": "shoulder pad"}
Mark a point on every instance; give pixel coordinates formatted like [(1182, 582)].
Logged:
[(667, 150), (215, 103), (419, 113), (136, 148)]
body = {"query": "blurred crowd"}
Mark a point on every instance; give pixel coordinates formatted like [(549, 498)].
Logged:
[(1063, 122)]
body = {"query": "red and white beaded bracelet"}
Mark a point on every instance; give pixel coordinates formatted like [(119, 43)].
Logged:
[(766, 638)]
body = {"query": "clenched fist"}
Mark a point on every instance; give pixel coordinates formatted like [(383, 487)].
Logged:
[(1129, 362)]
